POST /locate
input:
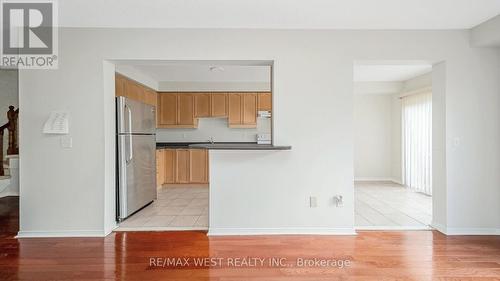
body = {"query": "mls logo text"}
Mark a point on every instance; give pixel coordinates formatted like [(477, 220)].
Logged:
[(29, 34)]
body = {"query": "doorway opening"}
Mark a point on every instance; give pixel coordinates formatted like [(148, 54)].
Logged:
[(393, 145), (9, 150), (199, 105)]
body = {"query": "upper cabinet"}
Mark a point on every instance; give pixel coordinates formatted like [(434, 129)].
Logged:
[(218, 105), (133, 90), (249, 110), (264, 102), (185, 112), (242, 110), (150, 96), (182, 110), (176, 111), (210, 105), (119, 85), (202, 105), (167, 110), (234, 109)]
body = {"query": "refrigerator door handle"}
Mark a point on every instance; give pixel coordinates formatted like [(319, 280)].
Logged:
[(129, 118), (130, 153)]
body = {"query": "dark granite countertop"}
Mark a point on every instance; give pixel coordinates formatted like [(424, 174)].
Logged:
[(222, 145)]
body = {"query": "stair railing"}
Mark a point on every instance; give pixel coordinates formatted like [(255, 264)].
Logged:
[(12, 127)]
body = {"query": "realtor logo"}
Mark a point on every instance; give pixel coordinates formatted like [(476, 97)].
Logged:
[(29, 34)]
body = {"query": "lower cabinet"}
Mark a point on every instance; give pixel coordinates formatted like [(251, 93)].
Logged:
[(169, 165), (182, 166), (198, 165), (160, 167)]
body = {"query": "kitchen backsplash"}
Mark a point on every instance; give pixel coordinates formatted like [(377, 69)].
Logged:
[(216, 128)]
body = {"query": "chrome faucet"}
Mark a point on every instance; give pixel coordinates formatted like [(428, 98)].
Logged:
[(211, 140)]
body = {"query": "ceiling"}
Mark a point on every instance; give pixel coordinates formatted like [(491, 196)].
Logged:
[(283, 14), (192, 72), (389, 72)]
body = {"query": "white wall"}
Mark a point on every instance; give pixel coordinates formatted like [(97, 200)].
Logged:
[(417, 83), (377, 123), (8, 96), (63, 192), (373, 137), (396, 151), (363, 88), (486, 34), (216, 128), (440, 196)]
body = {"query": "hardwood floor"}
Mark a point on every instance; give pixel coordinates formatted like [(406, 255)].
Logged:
[(408, 255)]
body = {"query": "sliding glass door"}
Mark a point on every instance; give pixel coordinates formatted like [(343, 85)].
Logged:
[(417, 142)]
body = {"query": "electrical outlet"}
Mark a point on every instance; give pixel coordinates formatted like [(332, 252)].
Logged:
[(313, 202)]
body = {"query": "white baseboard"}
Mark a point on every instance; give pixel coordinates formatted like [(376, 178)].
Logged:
[(361, 179), (393, 228), (439, 227), (280, 231), (466, 230), (397, 181), (372, 179), (160, 228), (472, 231), (64, 233)]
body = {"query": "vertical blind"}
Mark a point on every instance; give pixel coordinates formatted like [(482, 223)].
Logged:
[(417, 142)]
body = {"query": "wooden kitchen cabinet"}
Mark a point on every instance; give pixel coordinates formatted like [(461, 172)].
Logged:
[(198, 166), (182, 110), (202, 105), (234, 109), (120, 85), (218, 105), (150, 96), (170, 165), (249, 110), (133, 90), (160, 167), (264, 101), (182, 165), (176, 111), (210, 105), (242, 110), (167, 110), (185, 112)]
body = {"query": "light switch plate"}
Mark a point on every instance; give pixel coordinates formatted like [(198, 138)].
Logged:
[(66, 142)]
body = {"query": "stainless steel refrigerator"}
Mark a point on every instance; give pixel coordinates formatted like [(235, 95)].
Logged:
[(136, 156)]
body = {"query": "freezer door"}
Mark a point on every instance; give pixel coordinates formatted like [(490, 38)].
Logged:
[(135, 117), (136, 172)]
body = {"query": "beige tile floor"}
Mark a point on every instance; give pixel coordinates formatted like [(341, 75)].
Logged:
[(178, 207), (387, 205)]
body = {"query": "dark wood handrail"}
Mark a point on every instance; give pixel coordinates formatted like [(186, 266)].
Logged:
[(11, 126)]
